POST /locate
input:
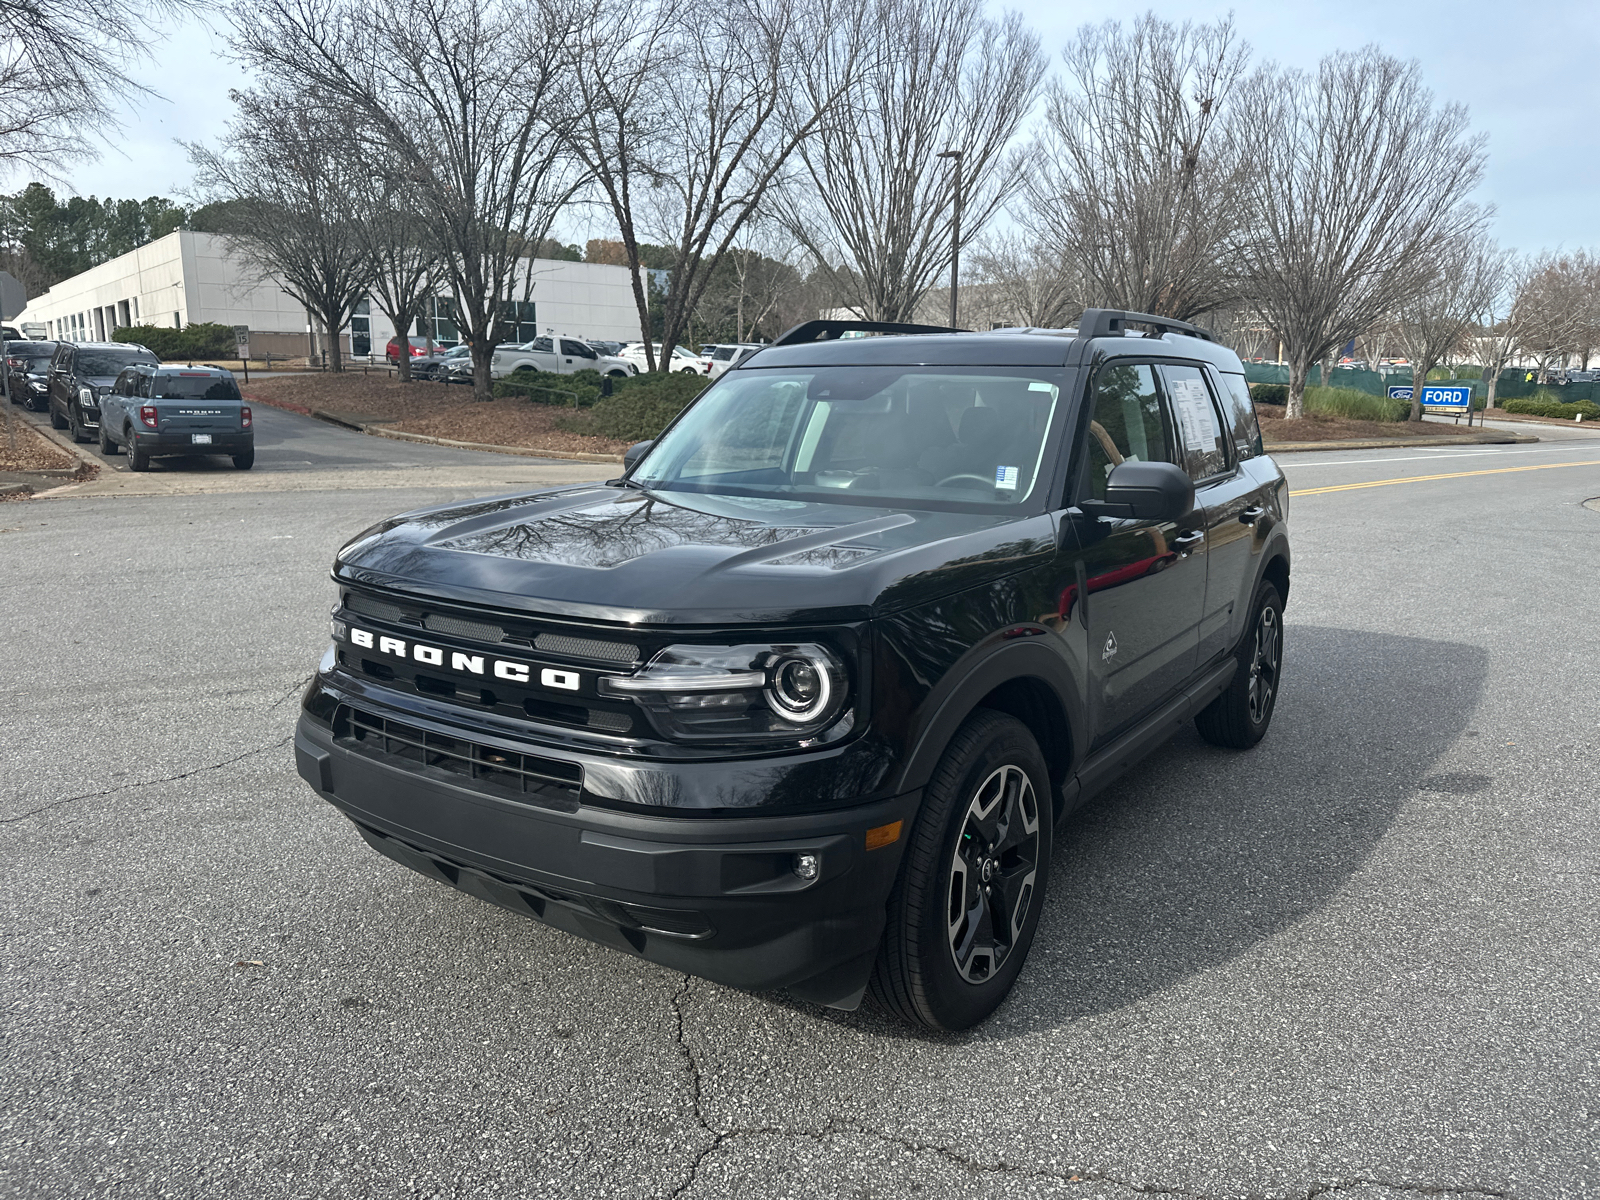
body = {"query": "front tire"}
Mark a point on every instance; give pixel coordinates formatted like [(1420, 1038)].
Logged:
[(972, 884), (1240, 716), (79, 433), (138, 460), (57, 421)]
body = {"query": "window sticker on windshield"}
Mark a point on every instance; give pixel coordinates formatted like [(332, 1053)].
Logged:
[(1039, 385), (1006, 478)]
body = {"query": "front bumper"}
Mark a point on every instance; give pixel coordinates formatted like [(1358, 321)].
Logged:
[(171, 445), (716, 897)]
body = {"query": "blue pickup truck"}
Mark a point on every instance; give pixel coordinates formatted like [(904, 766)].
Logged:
[(176, 412)]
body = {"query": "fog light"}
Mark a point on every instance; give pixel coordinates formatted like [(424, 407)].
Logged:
[(807, 866)]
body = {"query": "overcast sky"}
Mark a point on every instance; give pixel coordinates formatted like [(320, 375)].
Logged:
[(1527, 76)]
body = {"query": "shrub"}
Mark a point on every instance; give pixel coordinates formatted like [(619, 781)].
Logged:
[(1269, 393), (639, 408), (544, 387), (1354, 405), (1543, 406), (198, 339)]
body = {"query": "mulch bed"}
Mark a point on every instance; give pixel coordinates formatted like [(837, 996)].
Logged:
[(434, 409), (1320, 427), (33, 452)]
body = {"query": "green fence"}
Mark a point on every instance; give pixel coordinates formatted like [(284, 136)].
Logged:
[(1513, 384)]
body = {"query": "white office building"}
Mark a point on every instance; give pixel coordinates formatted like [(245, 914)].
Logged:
[(188, 277)]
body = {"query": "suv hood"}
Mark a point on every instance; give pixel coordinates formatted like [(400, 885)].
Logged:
[(603, 553)]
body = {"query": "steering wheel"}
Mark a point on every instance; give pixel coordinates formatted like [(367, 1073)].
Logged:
[(980, 479)]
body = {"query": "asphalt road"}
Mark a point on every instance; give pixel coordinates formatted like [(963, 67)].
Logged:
[(1362, 960)]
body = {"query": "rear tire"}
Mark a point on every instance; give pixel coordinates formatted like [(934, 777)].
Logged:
[(1240, 716), (984, 828), (246, 460), (138, 460)]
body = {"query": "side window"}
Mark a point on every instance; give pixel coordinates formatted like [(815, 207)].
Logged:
[(1199, 424), (1242, 423), (541, 345), (146, 385), (1126, 424)]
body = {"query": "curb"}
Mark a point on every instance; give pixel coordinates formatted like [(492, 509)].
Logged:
[(1506, 439), (376, 429)]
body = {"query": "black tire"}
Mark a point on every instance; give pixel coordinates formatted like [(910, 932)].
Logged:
[(107, 446), (1239, 718), (920, 974), (32, 405), (138, 460), (57, 421), (246, 460), (79, 433)]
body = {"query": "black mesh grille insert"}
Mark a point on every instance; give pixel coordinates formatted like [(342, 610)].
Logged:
[(581, 647), (546, 781), (477, 631), (378, 609)]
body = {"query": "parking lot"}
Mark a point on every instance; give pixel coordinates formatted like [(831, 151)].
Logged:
[(1362, 960)]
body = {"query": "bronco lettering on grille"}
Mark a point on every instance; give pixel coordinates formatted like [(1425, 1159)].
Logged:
[(467, 664)]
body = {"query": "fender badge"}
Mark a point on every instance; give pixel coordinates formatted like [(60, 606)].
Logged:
[(1111, 648)]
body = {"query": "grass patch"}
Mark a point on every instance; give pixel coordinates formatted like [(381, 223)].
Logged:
[(1353, 405)]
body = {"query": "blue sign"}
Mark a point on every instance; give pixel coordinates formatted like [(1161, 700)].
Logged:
[(1400, 391), (1446, 399)]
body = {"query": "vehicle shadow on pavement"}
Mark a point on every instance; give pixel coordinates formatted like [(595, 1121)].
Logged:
[(1200, 853)]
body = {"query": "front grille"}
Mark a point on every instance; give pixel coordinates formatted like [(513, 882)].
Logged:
[(529, 777), (581, 647), (380, 610), (477, 631), (510, 631)]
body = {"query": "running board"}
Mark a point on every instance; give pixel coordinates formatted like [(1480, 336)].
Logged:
[(1105, 765)]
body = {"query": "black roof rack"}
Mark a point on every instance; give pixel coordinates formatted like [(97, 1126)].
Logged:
[(815, 331), (1108, 322)]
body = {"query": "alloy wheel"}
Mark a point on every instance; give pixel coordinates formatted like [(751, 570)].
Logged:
[(992, 873), (1264, 664)]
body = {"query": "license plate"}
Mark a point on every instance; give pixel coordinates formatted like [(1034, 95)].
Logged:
[(200, 439)]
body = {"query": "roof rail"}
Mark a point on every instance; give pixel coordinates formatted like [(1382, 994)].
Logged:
[(813, 331), (1107, 322)]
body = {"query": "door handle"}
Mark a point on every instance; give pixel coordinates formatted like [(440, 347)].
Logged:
[(1252, 514), (1188, 541)]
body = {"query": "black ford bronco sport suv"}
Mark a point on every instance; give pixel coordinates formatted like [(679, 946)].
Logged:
[(797, 701)]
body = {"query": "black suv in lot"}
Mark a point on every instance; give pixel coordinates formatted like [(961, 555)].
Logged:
[(80, 374), (28, 373), (798, 700)]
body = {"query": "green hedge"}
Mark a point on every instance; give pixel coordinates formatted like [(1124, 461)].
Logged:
[(639, 408), (1269, 393), (1336, 402), (198, 339), (1535, 406)]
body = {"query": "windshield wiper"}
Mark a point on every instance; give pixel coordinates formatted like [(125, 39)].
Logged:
[(623, 481)]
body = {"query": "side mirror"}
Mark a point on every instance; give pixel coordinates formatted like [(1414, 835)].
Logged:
[(634, 453), (1144, 491)]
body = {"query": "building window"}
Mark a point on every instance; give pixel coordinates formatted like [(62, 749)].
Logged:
[(440, 312), (361, 329), (135, 303), (517, 322)]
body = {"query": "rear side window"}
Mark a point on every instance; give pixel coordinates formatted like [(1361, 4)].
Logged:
[(195, 387), (1127, 423), (1243, 428), (1199, 424)]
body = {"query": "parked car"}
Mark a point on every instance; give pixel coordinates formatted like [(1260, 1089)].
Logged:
[(610, 349), (80, 374), (797, 701), (28, 373), (419, 349), (559, 354), (430, 365), (730, 355), (176, 412), (684, 360)]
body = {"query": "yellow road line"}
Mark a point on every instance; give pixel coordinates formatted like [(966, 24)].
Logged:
[(1350, 487)]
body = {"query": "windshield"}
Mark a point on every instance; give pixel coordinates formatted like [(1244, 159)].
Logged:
[(913, 436), (194, 387), (30, 349), (94, 364)]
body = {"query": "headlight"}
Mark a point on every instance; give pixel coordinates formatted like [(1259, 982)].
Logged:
[(763, 693), (86, 396)]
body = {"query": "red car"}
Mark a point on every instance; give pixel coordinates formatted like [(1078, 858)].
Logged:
[(419, 347)]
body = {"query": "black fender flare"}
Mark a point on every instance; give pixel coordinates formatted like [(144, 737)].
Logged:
[(1020, 656)]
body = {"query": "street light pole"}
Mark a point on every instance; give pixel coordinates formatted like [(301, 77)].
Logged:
[(955, 235)]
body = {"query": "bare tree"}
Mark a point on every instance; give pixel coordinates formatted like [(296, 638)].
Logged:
[(465, 98), (1134, 177), (1559, 306), (1354, 189), (405, 260), (64, 67), (690, 117), (1016, 282), (290, 187), (874, 205), (1498, 338), (1433, 323)]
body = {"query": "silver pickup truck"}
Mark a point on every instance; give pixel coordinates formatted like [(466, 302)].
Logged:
[(176, 412), (559, 355)]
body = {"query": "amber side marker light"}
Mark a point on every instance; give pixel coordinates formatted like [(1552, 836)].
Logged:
[(883, 835)]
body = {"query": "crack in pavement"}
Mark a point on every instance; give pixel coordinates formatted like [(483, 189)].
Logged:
[(835, 1128), (130, 787)]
